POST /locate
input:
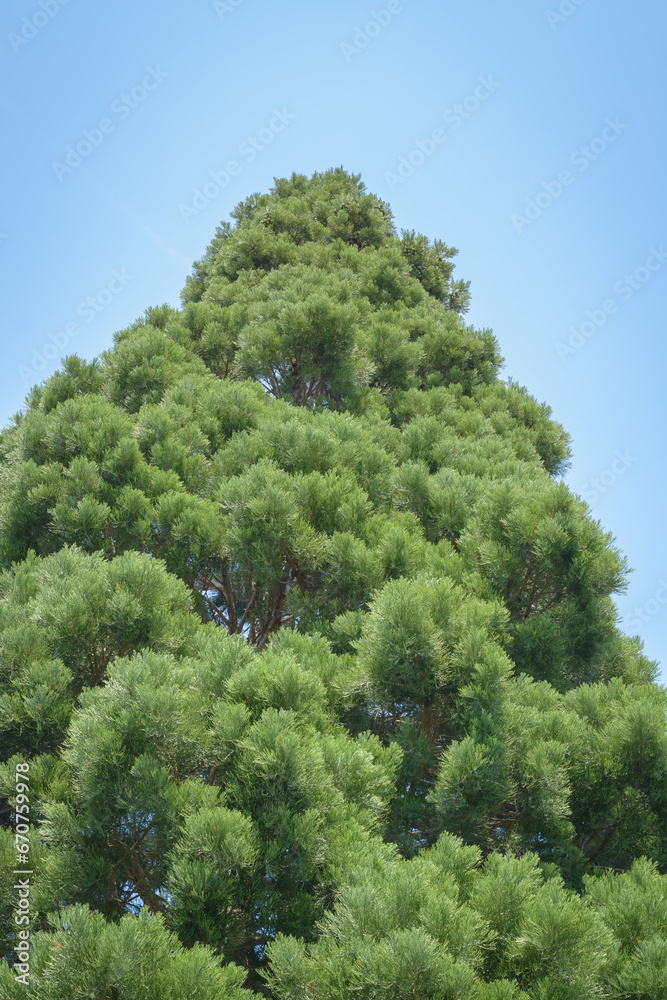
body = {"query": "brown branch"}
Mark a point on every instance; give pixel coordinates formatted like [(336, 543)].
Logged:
[(531, 598), (527, 580), (610, 833), (244, 618), (217, 611), (272, 625)]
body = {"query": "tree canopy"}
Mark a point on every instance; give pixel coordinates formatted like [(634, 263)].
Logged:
[(313, 656)]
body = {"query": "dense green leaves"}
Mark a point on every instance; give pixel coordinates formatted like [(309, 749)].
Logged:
[(137, 959), (314, 659)]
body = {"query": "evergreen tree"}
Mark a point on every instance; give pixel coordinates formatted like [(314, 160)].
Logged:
[(312, 654)]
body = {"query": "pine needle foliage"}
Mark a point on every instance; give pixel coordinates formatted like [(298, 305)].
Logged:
[(313, 655)]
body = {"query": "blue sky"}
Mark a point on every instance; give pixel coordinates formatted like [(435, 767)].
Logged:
[(530, 135)]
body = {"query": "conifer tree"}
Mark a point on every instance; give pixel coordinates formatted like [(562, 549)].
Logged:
[(313, 656)]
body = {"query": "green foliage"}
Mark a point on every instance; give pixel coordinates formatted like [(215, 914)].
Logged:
[(444, 925), (314, 659), (87, 612), (135, 959), (578, 778)]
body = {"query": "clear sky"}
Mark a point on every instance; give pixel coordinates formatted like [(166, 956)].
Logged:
[(546, 169)]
